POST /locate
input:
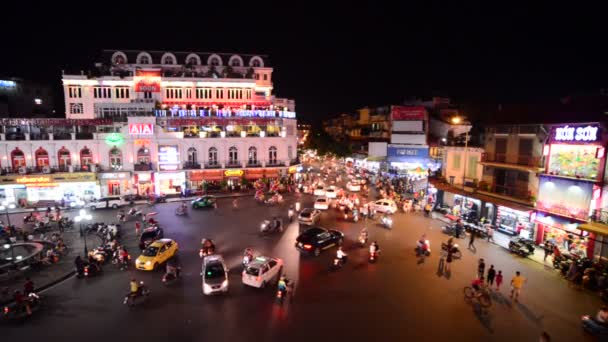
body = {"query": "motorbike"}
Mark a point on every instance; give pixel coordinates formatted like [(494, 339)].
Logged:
[(247, 257), (282, 293), (521, 246), (363, 239), (423, 248), (290, 215), (338, 263), (13, 311), (387, 222), (271, 226), (134, 212), (134, 299), (181, 211), (171, 278), (373, 256), (157, 199), (593, 327)]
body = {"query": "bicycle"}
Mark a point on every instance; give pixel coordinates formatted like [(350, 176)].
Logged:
[(482, 296)]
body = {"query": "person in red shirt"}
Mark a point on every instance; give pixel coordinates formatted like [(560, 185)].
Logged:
[(28, 287)]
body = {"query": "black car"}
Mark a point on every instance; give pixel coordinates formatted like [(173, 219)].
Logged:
[(150, 235), (315, 239)]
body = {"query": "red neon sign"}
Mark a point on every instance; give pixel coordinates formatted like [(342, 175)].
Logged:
[(147, 81), (141, 129)]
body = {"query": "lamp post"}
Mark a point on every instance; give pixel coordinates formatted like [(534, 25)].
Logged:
[(457, 120), (83, 216)]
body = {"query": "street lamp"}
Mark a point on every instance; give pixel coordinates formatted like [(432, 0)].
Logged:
[(457, 120), (7, 246), (83, 216), (5, 207)]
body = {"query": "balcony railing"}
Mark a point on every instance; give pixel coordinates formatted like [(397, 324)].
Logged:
[(212, 165), (233, 163), (143, 167), (253, 163), (599, 216), (519, 192), (84, 136), (274, 163), (517, 159), (191, 165)]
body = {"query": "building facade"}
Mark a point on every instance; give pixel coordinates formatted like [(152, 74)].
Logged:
[(127, 130)]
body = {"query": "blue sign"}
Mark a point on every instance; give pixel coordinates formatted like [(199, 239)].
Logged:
[(407, 152), (7, 84)]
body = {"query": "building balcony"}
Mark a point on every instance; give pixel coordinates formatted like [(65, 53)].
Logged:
[(254, 163), (521, 194), (512, 161), (143, 167), (212, 165), (274, 163), (233, 163), (191, 165)]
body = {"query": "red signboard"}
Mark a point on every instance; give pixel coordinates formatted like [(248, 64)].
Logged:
[(408, 113), (141, 129), (147, 81)]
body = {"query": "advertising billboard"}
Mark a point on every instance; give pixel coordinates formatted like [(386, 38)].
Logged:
[(147, 81), (565, 197), (408, 113)]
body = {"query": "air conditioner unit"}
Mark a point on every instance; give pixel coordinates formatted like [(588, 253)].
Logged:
[(46, 169), (22, 170)]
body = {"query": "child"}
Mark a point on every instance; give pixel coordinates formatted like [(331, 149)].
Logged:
[(498, 280)]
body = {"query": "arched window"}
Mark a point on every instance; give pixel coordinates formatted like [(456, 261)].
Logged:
[(252, 157), (17, 158), (168, 59), (193, 59), (119, 58), (212, 156), (256, 63), (143, 155), (214, 61), (42, 157), (233, 155), (192, 155), (144, 60), (272, 155), (64, 158), (115, 159), (86, 157), (236, 61)]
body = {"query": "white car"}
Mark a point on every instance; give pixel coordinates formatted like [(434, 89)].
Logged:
[(331, 192), (107, 202), (261, 271), (322, 203), (214, 274), (385, 206), (353, 186), (319, 190), (309, 216)]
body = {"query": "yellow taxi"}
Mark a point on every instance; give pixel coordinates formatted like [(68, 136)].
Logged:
[(155, 254)]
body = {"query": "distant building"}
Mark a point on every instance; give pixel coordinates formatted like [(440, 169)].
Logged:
[(25, 99)]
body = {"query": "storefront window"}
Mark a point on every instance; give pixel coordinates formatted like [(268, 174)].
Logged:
[(233, 156), (143, 155), (514, 222), (17, 158), (64, 158), (212, 156), (42, 157), (253, 155), (272, 155), (192, 155), (86, 157), (115, 159)]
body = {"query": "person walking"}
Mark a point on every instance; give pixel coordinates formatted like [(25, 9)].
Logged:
[(481, 268), (517, 282), (490, 232), (137, 227), (472, 240), (490, 276), (548, 248), (498, 280)]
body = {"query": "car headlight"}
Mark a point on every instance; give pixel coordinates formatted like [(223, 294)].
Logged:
[(148, 263), (206, 288), (225, 283)]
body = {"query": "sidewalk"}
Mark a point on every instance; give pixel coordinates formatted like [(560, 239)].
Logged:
[(49, 275)]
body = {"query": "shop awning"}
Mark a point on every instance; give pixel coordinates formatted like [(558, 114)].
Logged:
[(272, 173), (254, 174), (214, 175), (594, 227)]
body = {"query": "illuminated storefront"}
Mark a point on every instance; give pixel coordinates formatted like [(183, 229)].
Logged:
[(114, 183), (169, 182), (514, 222), (564, 233), (34, 188)]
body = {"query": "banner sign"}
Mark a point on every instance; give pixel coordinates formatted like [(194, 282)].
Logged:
[(408, 113), (224, 113), (418, 152), (575, 134), (147, 81), (55, 122), (141, 129)]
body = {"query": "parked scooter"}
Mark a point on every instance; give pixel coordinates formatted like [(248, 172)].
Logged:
[(521, 246)]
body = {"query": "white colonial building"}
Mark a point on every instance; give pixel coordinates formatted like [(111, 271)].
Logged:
[(153, 122)]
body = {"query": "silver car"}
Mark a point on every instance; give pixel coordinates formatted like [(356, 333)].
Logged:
[(309, 216), (215, 275)]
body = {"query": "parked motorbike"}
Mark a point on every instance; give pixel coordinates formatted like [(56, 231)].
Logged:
[(139, 297), (521, 246), (13, 311)]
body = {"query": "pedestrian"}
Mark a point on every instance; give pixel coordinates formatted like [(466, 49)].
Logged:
[(28, 287), (481, 268), (449, 258), (490, 232), (472, 240), (498, 280), (137, 227), (517, 282), (548, 247), (235, 203), (491, 275)]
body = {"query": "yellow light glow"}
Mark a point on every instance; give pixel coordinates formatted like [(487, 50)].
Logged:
[(456, 120)]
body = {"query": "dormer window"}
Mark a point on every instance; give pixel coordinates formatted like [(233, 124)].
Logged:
[(168, 60), (144, 60), (214, 61)]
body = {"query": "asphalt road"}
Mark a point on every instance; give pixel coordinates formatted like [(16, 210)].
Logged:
[(398, 298)]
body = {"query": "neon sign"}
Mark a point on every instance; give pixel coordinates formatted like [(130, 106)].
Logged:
[(114, 139), (168, 155), (568, 133), (141, 142), (7, 84), (227, 113), (233, 173), (141, 129)]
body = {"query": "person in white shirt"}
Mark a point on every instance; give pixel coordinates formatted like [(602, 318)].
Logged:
[(341, 255)]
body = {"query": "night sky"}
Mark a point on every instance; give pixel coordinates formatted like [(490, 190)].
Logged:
[(334, 59)]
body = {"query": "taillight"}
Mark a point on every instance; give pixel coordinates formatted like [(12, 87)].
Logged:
[(6, 309), (307, 246), (258, 278)]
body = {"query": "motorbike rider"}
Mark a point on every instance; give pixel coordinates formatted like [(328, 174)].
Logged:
[(248, 253), (21, 301), (374, 247), (364, 234), (173, 267), (135, 289), (28, 287), (208, 246), (290, 212), (276, 223), (341, 256)]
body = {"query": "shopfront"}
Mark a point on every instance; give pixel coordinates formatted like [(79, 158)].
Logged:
[(254, 174), (272, 174), (233, 178), (168, 183), (563, 233), (143, 182), (114, 183), (34, 188), (514, 222), (195, 180)]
